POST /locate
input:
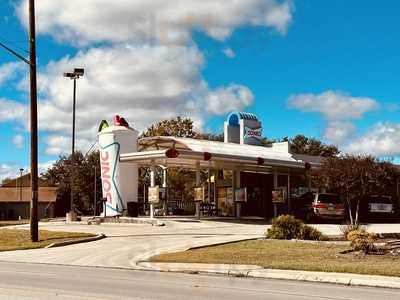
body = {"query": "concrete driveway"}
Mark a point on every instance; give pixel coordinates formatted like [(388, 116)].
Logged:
[(127, 244)]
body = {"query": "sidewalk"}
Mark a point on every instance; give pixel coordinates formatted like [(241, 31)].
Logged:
[(259, 272)]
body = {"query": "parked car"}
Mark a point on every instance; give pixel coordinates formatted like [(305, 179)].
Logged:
[(378, 208), (328, 206), (319, 206)]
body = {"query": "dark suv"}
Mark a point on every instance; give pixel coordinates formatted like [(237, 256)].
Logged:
[(378, 208)]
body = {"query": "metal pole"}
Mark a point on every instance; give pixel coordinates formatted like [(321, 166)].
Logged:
[(34, 226), (275, 187), (95, 192), (20, 185), (152, 184), (73, 117), (208, 185), (73, 147), (198, 181)]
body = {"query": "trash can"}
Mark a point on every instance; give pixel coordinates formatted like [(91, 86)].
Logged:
[(133, 209)]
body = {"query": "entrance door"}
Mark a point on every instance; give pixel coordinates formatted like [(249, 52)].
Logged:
[(259, 194)]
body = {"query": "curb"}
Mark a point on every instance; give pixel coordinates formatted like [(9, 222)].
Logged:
[(79, 241), (122, 221), (254, 271)]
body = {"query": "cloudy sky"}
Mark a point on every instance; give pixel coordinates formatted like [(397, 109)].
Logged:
[(326, 69)]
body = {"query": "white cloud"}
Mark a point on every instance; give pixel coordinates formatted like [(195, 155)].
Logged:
[(338, 109), (151, 68), (229, 52), (11, 170), (339, 131), (44, 166), (143, 83), (18, 141), (333, 105), (8, 171), (12, 111), (162, 21), (381, 140), (9, 71), (224, 100)]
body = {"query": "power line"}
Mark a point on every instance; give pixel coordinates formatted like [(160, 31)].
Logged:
[(15, 53), (91, 147), (14, 43)]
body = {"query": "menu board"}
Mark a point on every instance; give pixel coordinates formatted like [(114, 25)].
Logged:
[(226, 202), (241, 195), (199, 194), (154, 194), (279, 195)]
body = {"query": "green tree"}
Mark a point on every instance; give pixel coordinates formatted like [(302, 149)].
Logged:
[(301, 144), (180, 127), (81, 169), (355, 177)]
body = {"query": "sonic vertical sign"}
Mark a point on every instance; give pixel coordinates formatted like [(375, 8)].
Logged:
[(119, 181), (109, 160)]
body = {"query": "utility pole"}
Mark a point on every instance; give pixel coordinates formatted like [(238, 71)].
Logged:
[(34, 226)]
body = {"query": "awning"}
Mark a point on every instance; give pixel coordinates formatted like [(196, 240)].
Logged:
[(212, 154)]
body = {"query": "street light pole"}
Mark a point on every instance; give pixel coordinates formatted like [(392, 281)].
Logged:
[(73, 147), (73, 117), (34, 226), (78, 72)]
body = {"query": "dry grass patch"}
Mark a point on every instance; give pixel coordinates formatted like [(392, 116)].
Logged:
[(289, 255), (18, 239)]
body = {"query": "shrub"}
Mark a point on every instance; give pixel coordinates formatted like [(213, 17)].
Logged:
[(346, 229), (287, 227), (310, 233), (360, 239)]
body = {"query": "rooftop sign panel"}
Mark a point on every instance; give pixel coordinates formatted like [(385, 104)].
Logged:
[(243, 128)]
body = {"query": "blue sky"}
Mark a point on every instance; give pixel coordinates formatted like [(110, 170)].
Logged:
[(326, 69)]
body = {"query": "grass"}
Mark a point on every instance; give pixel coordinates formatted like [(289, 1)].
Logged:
[(288, 255), (19, 239)]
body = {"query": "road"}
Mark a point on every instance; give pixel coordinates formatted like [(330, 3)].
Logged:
[(40, 281)]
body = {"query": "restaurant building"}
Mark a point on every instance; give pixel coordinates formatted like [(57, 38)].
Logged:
[(244, 177)]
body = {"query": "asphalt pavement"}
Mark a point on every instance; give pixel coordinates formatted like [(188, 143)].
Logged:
[(41, 281)]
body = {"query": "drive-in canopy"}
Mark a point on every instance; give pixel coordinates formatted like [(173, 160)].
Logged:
[(217, 155)]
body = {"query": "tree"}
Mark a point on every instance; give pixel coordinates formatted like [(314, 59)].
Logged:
[(82, 169), (301, 144), (355, 177), (210, 137), (180, 127), (6, 180)]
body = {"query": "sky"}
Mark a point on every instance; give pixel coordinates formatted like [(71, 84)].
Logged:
[(325, 69)]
